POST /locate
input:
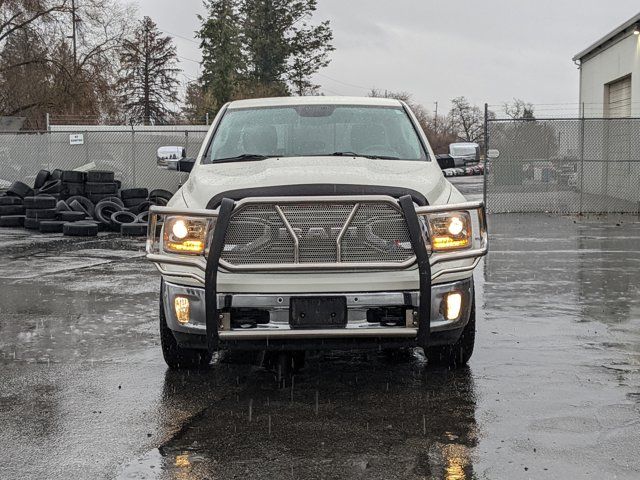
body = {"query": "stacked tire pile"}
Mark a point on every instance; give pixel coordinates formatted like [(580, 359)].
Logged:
[(79, 204)]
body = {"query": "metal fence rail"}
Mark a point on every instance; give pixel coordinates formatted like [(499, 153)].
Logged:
[(564, 166), (130, 153)]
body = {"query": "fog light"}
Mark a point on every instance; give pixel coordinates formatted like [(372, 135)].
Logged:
[(453, 305), (183, 309)]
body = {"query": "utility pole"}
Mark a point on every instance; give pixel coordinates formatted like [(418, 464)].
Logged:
[(73, 34), (435, 118), (75, 46)]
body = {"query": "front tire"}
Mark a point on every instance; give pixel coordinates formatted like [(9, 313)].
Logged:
[(175, 356), (458, 354)]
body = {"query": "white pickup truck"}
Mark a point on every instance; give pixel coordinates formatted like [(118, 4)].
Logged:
[(315, 223)]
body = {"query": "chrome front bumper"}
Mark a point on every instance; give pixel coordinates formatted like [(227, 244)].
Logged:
[(278, 308)]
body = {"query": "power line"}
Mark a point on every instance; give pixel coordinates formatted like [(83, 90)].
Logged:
[(180, 36), (189, 59), (343, 83)]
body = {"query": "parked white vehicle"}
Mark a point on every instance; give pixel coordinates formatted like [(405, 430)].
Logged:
[(464, 153), (315, 223)]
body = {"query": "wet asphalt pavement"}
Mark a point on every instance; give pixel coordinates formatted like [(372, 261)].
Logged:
[(552, 391)]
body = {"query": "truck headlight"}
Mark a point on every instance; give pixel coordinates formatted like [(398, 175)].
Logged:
[(186, 235), (449, 231)]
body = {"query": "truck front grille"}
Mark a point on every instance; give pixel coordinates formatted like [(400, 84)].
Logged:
[(324, 234)]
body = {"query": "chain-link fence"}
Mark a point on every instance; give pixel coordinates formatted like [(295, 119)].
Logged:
[(564, 166), (130, 153)]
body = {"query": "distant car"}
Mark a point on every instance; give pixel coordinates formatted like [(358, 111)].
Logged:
[(464, 153)]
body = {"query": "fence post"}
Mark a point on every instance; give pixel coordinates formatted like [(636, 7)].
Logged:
[(486, 151), (86, 146), (133, 156), (581, 161)]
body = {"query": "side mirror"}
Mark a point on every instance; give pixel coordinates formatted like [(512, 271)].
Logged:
[(493, 154), (174, 158)]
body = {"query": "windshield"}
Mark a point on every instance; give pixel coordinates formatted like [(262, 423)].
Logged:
[(315, 130)]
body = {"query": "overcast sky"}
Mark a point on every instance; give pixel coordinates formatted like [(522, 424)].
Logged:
[(489, 51)]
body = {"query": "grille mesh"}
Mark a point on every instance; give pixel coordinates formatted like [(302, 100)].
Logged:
[(258, 235)]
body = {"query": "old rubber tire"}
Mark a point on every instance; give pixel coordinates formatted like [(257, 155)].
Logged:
[(40, 202), (122, 217), (134, 202), (128, 193), (19, 189), (41, 179), (458, 354), (76, 206), (51, 187), (42, 213), (104, 210), (175, 356), (141, 207), (62, 206), (143, 218), (88, 205), (114, 200), (12, 221), (96, 188), (134, 229), (11, 210), (71, 176), (160, 193), (7, 200), (100, 176), (160, 201), (73, 189), (71, 216), (31, 223), (80, 229), (51, 226)]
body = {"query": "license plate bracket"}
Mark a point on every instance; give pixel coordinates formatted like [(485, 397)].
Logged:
[(318, 312)]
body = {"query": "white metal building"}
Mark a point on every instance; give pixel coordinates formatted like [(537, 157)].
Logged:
[(610, 73)]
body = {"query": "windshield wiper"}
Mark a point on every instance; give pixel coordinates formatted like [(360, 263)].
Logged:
[(245, 157), (354, 154)]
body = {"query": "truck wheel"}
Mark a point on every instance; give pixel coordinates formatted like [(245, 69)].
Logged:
[(458, 354), (175, 356)]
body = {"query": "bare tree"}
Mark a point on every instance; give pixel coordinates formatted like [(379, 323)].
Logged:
[(34, 45), (149, 83), (440, 131), (519, 109), (17, 15), (467, 119)]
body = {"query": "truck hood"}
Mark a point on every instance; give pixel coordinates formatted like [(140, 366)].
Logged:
[(207, 181)]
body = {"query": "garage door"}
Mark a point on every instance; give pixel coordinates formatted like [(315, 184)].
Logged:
[(619, 101)]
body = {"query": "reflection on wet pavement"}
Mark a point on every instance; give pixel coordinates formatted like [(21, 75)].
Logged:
[(346, 416), (553, 389)]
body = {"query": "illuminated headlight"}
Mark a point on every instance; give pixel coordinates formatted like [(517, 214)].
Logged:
[(453, 305), (183, 309), (449, 231), (187, 235)]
